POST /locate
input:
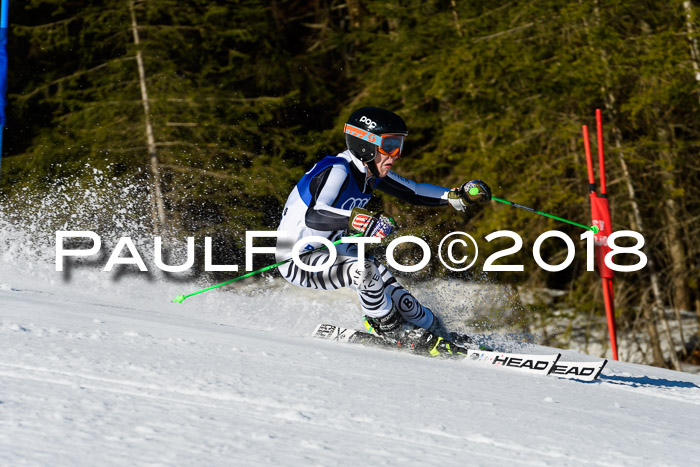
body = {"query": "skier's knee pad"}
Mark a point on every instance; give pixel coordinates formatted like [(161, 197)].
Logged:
[(370, 289), (367, 278)]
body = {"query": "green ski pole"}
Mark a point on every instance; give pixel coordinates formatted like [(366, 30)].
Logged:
[(592, 228), (181, 298)]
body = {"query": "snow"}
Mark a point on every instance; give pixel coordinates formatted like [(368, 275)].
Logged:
[(100, 368), (104, 371)]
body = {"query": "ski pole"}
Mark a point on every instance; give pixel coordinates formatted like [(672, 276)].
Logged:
[(181, 298), (592, 228)]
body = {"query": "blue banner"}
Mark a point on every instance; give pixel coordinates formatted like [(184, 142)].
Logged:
[(4, 13), (3, 74)]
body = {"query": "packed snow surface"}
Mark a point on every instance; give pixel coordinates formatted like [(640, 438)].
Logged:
[(99, 369)]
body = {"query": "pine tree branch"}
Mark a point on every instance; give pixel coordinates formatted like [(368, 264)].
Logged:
[(502, 33), (25, 97), (207, 173), (269, 99)]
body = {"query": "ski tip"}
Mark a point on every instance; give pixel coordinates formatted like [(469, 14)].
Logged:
[(597, 375), (554, 363)]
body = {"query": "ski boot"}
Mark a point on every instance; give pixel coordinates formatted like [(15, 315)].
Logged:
[(394, 330), (459, 340), (466, 342)]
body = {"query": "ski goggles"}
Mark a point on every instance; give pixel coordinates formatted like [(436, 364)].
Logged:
[(389, 145)]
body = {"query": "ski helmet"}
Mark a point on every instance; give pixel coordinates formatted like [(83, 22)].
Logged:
[(371, 129)]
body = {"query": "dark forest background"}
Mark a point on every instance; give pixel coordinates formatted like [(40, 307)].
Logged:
[(244, 96)]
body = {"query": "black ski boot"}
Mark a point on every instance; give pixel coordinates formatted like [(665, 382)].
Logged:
[(463, 341), (396, 331)]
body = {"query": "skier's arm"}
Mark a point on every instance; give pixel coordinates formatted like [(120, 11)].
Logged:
[(421, 194), (325, 188)]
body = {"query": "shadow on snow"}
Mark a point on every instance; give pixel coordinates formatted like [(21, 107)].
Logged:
[(645, 381)]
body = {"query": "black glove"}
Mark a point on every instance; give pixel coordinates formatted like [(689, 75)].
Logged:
[(372, 225), (469, 194)]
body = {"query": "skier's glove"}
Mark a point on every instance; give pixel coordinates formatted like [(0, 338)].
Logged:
[(371, 225), (469, 194)]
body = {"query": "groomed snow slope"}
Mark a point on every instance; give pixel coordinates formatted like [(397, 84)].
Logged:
[(108, 372)]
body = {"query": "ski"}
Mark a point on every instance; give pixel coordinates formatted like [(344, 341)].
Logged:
[(584, 371), (334, 333), (539, 364), (548, 364)]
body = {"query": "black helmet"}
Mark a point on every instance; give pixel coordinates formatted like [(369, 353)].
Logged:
[(365, 127)]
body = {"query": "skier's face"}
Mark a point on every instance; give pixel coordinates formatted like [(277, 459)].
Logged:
[(384, 163)]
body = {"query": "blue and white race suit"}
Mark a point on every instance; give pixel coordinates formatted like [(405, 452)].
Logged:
[(321, 205)]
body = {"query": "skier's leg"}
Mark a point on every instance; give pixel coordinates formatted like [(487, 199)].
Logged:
[(368, 283), (405, 323), (336, 276), (345, 272), (418, 314), (409, 307), (390, 310)]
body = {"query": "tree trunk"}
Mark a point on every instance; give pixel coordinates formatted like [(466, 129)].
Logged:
[(655, 342), (355, 13), (694, 50), (157, 208), (680, 293), (657, 302), (695, 59), (453, 4)]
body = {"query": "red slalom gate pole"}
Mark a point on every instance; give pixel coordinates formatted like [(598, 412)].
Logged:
[(607, 278), (601, 158), (589, 162), (600, 212)]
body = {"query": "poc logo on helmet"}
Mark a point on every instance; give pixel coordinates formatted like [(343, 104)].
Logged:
[(369, 122)]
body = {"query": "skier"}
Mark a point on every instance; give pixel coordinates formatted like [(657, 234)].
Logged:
[(330, 199)]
